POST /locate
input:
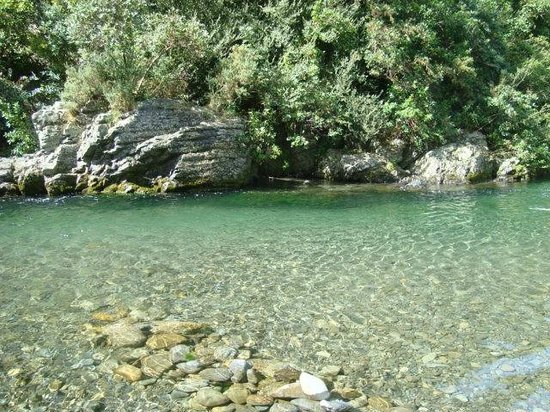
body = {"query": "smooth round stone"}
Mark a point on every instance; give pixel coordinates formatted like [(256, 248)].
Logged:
[(178, 353), (191, 385), (283, 407), (287, 374), (209, 397), (224, 353), (178, 327), (226, 408), (289, 391), (331, 371), (379, 403), (134, 355), (123, 334), (350, 393), (178, 395), (238, 394), (239, 367), (156, 365), (165, 340), (129, 372), (313, 387), (306, 405), (216, 374), (194, 366), (259, 400), (334, 406)]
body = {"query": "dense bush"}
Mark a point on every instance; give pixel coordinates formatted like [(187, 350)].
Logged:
[(309, 74), (33, 53), (127, 54)]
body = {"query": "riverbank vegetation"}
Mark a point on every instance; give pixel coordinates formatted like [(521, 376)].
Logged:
[(308, 75)]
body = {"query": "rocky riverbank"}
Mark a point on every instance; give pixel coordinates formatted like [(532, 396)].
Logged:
[(167, 146)]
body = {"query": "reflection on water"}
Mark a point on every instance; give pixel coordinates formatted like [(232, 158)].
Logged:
[(436, 299)]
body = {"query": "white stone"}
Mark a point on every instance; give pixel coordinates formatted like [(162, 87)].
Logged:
[(313, 387)]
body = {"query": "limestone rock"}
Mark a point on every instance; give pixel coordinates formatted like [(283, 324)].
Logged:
[(226, 408), (359, 167), (209, 397), (164, 145), (306, 405), (331, 371), (124, 334), (283, 407), (239, 367), (155, 365), (60, 184), (511, 170), (62, 160), (194, 366), (27, 170), (216, 374), (238, 394), (334, 406), (289, 391), (349, 393), (165, 340), (192, 384), (287, 374), (180, 327), (379, 403), (129, 372), (167, 138), (9, 189), (55, 125), (466, 161), (259, 400), (224, 353), (313, 387), (179, 353)]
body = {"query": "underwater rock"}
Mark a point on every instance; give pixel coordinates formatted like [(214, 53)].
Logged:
[(129, 372)]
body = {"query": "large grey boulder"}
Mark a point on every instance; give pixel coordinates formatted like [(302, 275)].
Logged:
[(358, 167), (163, 145), (511, 170), (467, 161), (167, 141)]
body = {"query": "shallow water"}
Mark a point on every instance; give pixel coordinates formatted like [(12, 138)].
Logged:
[(437, 299)]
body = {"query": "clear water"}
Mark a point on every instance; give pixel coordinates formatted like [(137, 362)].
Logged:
[(438, 299)]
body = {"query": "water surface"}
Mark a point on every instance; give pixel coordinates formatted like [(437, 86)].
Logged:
[(437, 299)]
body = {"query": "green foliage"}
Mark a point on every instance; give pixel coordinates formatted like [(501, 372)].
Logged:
[(308, 75), (33, 54), (20, 135), (128, 54)]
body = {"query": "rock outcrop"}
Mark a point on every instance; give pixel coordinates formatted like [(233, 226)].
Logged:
[(359, 167), (511, 170), (162, 146), (467, 161)]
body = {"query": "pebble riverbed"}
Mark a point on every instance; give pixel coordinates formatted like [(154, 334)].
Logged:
[(432, 301)]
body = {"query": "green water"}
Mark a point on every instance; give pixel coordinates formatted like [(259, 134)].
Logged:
[(429, 298)]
